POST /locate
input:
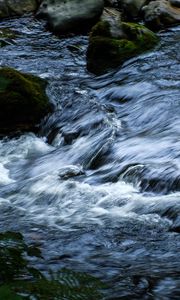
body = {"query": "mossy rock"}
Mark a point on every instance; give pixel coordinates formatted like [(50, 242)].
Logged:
[(102, 28), (106, 52), (23, 101), (144, 38)]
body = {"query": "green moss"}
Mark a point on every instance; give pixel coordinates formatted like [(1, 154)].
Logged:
[(106, 52), (4, 82), (142, 36), (23, 101), (102, 28)]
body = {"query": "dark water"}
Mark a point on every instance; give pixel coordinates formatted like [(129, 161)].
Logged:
[(98, 190)]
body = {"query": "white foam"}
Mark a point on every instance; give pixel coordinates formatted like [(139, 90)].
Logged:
[(4, 175)]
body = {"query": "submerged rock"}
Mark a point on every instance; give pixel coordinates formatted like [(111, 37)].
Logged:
[(70, 171), (23, 101), (66, 16), (112, 43), (162, 13), (9, 8), (7, 37), (131, 8)]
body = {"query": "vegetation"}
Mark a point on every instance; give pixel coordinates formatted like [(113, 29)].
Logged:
[(19, 281)]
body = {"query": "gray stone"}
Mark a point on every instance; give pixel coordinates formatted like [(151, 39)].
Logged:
[(131, 8), (161, 13), (70, 15), (113, 17), (9, 8)]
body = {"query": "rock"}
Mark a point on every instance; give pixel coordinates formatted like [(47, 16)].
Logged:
[(113, 17), (112, 43), (175, 3), (160, 13), (66, 16), (111, 3), (70, 171), (23, 101), (131, 8), (9, 8)]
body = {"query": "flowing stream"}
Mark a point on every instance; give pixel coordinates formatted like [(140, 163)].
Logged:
[(98, 189)]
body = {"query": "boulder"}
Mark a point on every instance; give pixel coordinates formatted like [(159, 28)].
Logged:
[(161, 13), (113, 17), (112, 43), (131, 8), (23, 101), (9, 8), (66, 16)]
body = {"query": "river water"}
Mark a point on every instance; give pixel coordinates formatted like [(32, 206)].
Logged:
[(98, 189)]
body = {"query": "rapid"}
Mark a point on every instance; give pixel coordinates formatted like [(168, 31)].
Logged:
[(98, 188)]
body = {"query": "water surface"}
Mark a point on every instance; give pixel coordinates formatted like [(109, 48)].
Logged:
[(98, 189)]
